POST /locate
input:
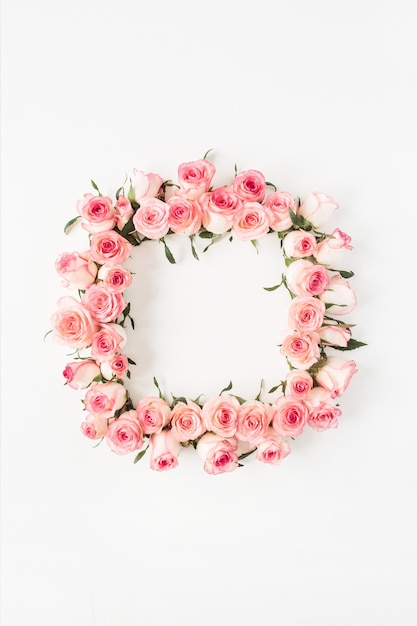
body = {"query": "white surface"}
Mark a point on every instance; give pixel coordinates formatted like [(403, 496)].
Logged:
[(317, 95)]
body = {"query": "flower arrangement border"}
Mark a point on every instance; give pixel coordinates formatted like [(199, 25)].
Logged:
[(227, 428)]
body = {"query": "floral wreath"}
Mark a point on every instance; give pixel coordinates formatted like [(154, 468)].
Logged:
[(224, 429)]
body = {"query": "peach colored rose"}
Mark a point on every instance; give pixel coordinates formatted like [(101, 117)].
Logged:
[(109, 248), (332, 334), (116, 366), (115, 277), (94, 426), (104, 305), (124, 211), (340, 295), (187, 421), (317, 208), (322, 412), (184, 216), (253, 418), (251, 221), (145, 186), (219, 206), (272, 448), (104, 399), (77, 270), (153, 414), (250, 186), (331, 249), (151, 218), (80, 374), (335, 375), (299, 244), (98, 213), (301, 349), (73, 323), (124, 435), (220, 415), (306, 314), (305, 278), (164, 451), (108, 341), (289, 416), (218, 453), (280, 203), (298, 383), (195, 178)]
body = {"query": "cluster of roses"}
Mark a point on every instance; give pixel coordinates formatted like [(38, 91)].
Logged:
[(226, 428)]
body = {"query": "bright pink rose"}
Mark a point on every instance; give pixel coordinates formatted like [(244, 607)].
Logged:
[(153, 414), (289, 416), (73, 323), (317, 208), (116, 366), (108, 341), (195, 178), (218, 453), (253, 418), (335, 375), (184, 216), (331, 249), (219, 206), (109, 248), (340, 295), (299, 244), (322, 412), (305, 278), (272, 449), (151, 219), (164, 451), (251, 221), (280, 203), (104, 399), (301, 349), (98, 213), (299, 383), (94, 426), (145, 186), (187, 421), (220, 415), (80, 374), (124, 435), (250, 186), (334, 335), (104, 305), (124, 211), (306, 313), (77, 270), (115, 277)]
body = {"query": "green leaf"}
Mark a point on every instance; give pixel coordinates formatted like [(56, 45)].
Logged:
[(155, 382), (193, 250), (131, 361), (258, 397), (272, 288), (345, 274), (246, 454), (273, 389), (140, 455), (205, 234), (48, 333), (95, 187), (240, 400), (71, 223), (352, 345), (207, 153), (228, 388), (330, 304), (255, 245), (272, 185), (168, 252)]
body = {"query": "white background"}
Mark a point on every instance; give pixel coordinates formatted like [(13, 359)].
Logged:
[(318, 95)]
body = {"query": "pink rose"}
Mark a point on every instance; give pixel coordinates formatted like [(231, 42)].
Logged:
[(289, 416), (306, 313), (299, 244), (94, 426), (280, 203), (335, 375), (145, 186), (252, 421), (331, 249), (151, 218), (305, 278), (301, 349), (220, 415), (339, 295), (299, 383), (272, 449), (322, 412), (184, 216), (187, 421), (218, 453), (77, 270), (250, 185), (124, 211), (98, 213), (334, 335), (116, 366), (251, 221), (195, 178), (80, 374), (73, 323), (164, 451), (153, 414), (317, 208), (104, 399), (109, 340), (104, 305), (109, 248), (124, 435), (219, 206), (115, 277)]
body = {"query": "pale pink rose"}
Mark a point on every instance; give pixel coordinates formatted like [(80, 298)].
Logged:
[(253, 418), (340, 295), (104, 305), (153, 414), (317, 208), (164, 451), (289, 416), (94, 426), (299, 244), (116, 366), (322, 412), (104, 399), (251, 221), (334, 335), (73, 323), (109, 340), (299, 383), (331, 249), (98, 213), (76, 269), (250, 186), (218, 453), (187, 421), (145, 186), (109, 248), (124, 435), (280, 203), (305, 278), (301, 349), (80, 374), (151, 218), (306, 313), (184, 216), (124, 211), (195, 178), (115, 277), (272, 448), (219, 206), (335, 375), (220, 415)]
